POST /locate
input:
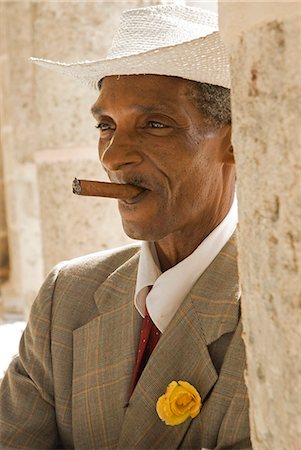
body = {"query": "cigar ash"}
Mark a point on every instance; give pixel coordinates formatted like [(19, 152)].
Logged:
[(76, 187)]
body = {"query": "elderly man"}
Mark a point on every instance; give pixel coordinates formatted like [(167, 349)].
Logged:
[(140, 347)]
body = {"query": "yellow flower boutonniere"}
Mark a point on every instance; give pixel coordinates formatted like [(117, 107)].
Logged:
[(180, 401)]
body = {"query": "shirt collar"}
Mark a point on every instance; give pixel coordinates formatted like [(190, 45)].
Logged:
[(171, 287)]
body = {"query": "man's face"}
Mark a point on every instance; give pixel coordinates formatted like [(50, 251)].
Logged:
[(152, 135)]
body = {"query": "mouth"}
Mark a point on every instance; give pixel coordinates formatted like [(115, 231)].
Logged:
[(138, 198), (143, 185)]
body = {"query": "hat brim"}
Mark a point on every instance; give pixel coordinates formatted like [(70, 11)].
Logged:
[(203, 59)]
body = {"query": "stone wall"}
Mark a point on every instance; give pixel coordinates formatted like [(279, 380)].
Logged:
[(265, 49), (47, 138)]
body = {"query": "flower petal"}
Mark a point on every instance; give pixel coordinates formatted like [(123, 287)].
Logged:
[(172, 385), (180, 401), (189, 388), (177, 420)]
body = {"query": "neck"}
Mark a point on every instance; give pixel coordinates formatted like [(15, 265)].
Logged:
[(177, 246)]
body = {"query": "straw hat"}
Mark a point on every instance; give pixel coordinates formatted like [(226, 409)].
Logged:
[(167, 39)]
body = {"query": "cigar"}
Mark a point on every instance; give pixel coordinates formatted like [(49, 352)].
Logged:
[(102, 189)]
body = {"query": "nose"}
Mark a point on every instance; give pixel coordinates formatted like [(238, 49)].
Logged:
[(121, 151)]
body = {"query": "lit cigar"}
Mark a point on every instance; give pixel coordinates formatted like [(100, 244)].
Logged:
[(102, 189)]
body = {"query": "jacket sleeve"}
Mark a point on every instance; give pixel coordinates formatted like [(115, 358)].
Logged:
[(27, 414)]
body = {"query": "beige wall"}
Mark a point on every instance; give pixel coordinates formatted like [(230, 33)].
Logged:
[(238, 17), (265, 47), (47, 138)]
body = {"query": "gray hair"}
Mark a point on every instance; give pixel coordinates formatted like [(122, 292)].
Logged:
[(213, 102)]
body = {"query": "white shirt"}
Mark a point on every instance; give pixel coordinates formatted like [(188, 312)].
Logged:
[(171, 287)]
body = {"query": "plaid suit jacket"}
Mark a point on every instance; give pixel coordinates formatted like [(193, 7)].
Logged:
[(69, 386)]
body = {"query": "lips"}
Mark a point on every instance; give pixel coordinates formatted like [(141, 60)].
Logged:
[(137, 198), (134, 180)]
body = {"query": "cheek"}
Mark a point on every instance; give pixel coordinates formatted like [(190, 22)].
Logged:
[(191, 172), (195, 183)]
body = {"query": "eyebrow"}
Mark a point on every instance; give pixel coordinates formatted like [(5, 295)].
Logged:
[(157, 107)]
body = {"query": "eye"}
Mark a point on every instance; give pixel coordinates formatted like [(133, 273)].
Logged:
[(104, 126), (154, 124)]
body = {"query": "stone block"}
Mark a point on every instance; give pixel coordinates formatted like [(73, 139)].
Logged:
[(266, 92), (18, 81), (26, 263), (243, 15)]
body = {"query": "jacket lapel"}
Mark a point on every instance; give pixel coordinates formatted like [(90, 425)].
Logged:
[(104, 358), (216, 295), (208, 312)]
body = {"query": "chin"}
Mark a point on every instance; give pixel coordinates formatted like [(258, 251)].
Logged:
[(142, 233)]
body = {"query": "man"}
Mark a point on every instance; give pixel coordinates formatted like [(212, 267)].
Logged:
[(109, 332)]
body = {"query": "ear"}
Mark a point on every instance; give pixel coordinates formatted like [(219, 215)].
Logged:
[(226, 147)]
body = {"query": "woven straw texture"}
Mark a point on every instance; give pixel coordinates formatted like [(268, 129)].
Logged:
[(164, 40)]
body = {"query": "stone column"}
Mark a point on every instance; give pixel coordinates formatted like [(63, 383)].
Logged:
[(265, 45), (17, 145), (48, 137)]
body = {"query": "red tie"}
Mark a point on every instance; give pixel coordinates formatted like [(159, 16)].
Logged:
[(149, 336)]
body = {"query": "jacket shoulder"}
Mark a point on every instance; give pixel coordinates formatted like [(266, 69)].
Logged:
[(96, 267), (78, 279), (67, 294)]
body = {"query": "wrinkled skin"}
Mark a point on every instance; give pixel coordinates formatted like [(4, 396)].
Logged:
[(152, 135)]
